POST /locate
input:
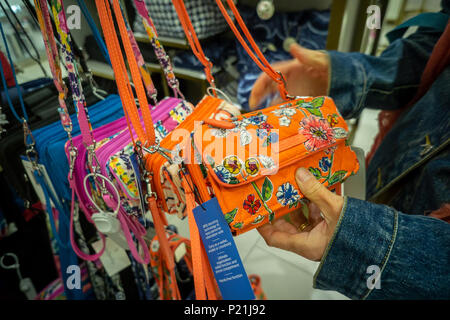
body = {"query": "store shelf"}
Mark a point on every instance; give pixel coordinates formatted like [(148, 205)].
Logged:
[(101, 69), (183, 73), (165, 41)]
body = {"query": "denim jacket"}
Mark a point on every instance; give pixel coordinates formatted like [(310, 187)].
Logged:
[(410, 172)]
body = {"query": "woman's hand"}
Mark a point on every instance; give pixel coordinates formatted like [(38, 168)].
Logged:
[(306, 75), (312, 240)]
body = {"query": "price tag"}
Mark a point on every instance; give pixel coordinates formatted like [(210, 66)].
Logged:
[(222, 252)]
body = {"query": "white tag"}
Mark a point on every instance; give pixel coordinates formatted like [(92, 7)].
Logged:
[(114, 258), (180, 251), (37, 187)]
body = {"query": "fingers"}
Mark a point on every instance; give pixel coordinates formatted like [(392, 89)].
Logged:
[(263, 86), (284, 226), (280, 239), (314, 213), (329, 203), (312, 58), (297, 218)]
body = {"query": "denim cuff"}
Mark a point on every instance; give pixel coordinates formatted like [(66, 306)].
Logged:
[(347, 83), (361, 243)]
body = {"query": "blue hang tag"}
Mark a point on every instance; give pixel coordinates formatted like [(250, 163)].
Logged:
[(222, 252)]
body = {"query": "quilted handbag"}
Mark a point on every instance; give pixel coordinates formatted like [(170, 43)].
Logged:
[(205, 16), (251, 161), (248, 162)]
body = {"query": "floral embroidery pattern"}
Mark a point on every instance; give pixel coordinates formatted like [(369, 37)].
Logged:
[(267, 162), (122, 167), (325, 165), (257, 119), (313, 107), (263, 130), (287, 195), (233, 165), (180, 112), (252, 166), (284, 115), (332, 119), (251, 204), (265, 194), (229, 216), (318, 133), (223, 174)]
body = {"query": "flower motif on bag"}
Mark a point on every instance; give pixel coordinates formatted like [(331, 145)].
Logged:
[(263, 130), (332, 119), (160, 131), (313, 107), (252, 166), (251, 204), (284, 115), (267, 162), (318, 133), (257, 119), (287, 195), (328, 176), (325, 164), (220, 133), (233, 165), (223, 174), (180, 112)]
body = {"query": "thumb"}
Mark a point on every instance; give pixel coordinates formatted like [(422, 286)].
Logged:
[(311, 58), (329, 203)]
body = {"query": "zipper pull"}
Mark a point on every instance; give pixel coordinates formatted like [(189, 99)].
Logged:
[(219, 124)]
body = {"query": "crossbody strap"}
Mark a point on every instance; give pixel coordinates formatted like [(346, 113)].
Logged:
[(69, 61), (145, 74), (192, 38), (146, 136), (256, 55), (162, 56)]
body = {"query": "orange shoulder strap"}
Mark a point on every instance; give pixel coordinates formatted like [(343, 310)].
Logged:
[(147, 135), (192, 38), (257, 55)]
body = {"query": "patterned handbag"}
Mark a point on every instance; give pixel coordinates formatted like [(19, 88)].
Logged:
[(248, 162), (205, 16)]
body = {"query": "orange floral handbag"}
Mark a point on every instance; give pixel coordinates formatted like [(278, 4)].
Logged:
[(249, 162)]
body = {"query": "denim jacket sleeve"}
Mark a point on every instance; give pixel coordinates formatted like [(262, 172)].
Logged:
[(411, 253), (388, 81)]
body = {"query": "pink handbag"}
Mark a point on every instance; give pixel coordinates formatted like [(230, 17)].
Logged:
[(114, 156)]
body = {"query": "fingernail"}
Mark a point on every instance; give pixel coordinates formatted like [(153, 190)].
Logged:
[(303, 175)]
